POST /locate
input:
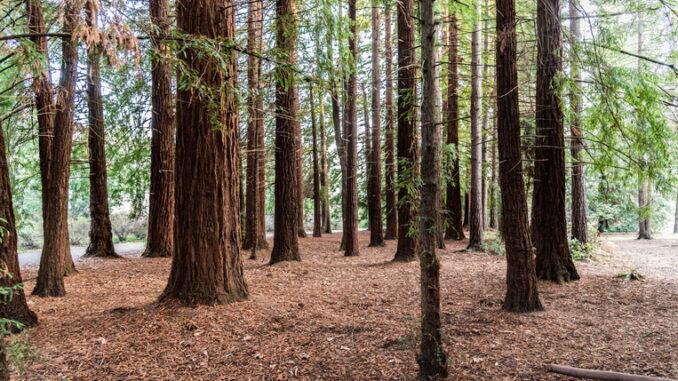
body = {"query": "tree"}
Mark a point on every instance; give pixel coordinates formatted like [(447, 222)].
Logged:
[(206, 267), (675, 219), (374, 162), (351, 217), (431, 358), (255, 224), (476, 195), (389, 149), (317, 208), (549, 226), (55, 156), (407, 146), (644, 185), (160, 239), (100, 234), (324, 188), (521, 279), (14, 307), (285, 237), (579, 225), (453, 211)]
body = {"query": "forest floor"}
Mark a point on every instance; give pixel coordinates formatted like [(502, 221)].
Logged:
[(335, 318)]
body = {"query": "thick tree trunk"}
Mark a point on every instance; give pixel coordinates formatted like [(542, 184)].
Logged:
[(476, 200), (453, 211), (207, 268), (374, 180), (549, 225), (56, 260), (521, 279), (14, 308), (255, 228), (407, 133), (431, 356), (389, 149), (317, 210), (285, 238), (351, 225), (100, 233), (579, 228), (160, 239)]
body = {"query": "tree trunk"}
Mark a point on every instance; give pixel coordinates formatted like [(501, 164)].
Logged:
[(285, 238), (579, 225), (367, 147), (431, 356), (485, 132), (207, 268), (476, 200), (389, 149), (453, 211), (160, 239), (407, 144), (675, 219), (100, 234), (644, 229), (492, 223), (549, 225), (467, 209), (351, 226), (317, 210), (521, 280), (374, 180), (255, 224), (13, 308), (324, 186), (5, 371), (56, 260), (300, 180)]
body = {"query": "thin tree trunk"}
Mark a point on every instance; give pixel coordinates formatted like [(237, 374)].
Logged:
[(286, 225), (324, 186), (160, 239), (485, 132), (14, 308), (521, 280), (476, 200), (300, 178), (367, 147), (493, 182), (407, 133), (56, 260), (389, 149), (644, 201), (100, 233), (374, 180), (675, 219), (431, 358), (317, 210), (579, 228), (351, 225), (453, 211), (467, 209), (549, 225), (207, 267)]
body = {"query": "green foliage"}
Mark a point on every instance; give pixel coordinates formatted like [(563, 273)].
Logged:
[(630, 273), (581, 251), (494, 244)]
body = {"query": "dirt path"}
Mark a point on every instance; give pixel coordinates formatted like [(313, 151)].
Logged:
[(31, 258), (655, 259)]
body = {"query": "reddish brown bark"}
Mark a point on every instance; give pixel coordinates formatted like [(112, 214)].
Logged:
[(549, 226), (407, 146), (317, 209), (374, 159), (391, 231), (160, 239), (351, 217), (206, 267), (326, 214), (285, 238), (521, 280), (475, 240)]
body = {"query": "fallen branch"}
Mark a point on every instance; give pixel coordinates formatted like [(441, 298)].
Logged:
[(600, 374)]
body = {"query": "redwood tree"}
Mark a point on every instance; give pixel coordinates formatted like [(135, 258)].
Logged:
[(351, 217), (521, 279), (160, 239), (407, 146), (206, 267), (549, 226), (100, 234), (285, 238), (389, 148), (317, 207), (374, 162)]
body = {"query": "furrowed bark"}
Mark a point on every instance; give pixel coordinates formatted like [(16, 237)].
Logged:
[(351, 226)]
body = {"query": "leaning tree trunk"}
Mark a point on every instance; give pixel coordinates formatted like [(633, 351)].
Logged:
[(374, 179), (14, 308), (317, 209), (160, 239), (100, 233), (549, 225), (476, 198), (255, 231), (521, 280), (207, 268), (453, 210), (351, 231), (407, 145), (579, 229), (431, 356), (56, 260), (389, 149), (285, 237)]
